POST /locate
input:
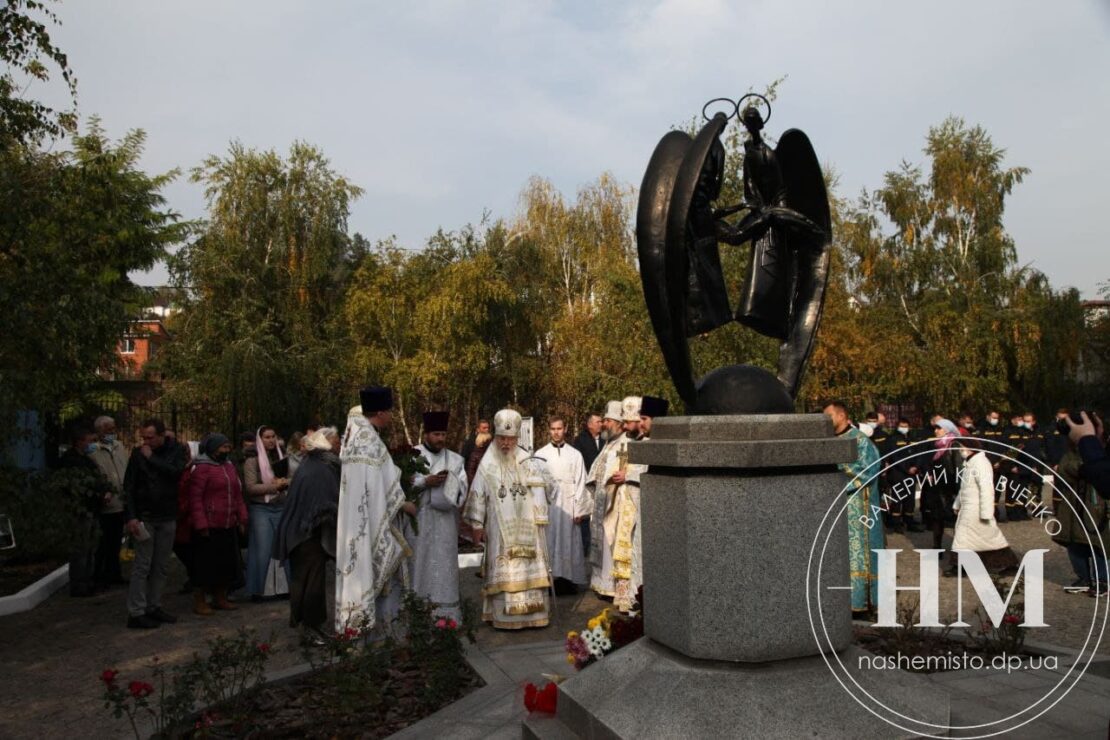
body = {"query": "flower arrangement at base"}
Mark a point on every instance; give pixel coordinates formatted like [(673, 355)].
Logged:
[(604, 633)]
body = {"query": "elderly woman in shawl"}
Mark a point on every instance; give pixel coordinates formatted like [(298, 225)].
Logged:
[(306, 532)]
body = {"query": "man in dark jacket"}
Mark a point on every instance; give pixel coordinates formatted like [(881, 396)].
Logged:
[(150, 489), (589, 443), (1096, 464)]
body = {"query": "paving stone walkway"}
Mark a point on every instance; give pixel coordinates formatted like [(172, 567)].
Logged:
[(50, 658)]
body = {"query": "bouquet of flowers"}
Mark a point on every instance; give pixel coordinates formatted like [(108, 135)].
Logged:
[(604, 633), (411, 463)]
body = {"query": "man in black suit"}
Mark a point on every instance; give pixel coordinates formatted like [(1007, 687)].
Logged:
[(589, 442)]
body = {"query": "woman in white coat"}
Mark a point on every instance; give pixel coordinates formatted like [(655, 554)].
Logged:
[(976, 528)]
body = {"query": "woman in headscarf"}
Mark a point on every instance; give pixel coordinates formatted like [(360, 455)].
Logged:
[(264, 477), (217, 512), (306, 533), (939, 486), (976, 528)]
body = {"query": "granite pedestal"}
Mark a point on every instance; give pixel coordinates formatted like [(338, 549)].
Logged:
[(729, 509)]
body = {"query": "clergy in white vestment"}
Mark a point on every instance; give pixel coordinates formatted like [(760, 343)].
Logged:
[(601, 555), (618, 512), (435, 543), (651, 408), (570, 507), (508, 508), (370, 548)]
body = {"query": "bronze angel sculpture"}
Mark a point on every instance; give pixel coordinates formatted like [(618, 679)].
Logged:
[(785, 216)]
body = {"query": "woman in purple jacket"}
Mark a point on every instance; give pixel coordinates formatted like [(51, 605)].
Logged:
[(218, 513)]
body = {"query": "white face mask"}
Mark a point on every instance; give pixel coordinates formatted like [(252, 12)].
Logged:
[(993, 422), (903, 430)]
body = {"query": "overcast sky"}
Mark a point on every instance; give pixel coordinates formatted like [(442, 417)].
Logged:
[(443, 110)]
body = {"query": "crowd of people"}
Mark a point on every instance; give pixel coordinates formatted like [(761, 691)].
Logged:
[(973, 477), (552, 521)]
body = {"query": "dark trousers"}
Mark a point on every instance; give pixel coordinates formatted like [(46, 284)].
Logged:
[(307, 599), (585, 525), (82, 558), (184, 552), (106, 568)]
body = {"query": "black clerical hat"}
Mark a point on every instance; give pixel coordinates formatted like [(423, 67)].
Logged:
[(435, 421), (653, 406), (375, 398)]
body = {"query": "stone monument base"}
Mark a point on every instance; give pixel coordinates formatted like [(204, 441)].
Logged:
[(646, 690)]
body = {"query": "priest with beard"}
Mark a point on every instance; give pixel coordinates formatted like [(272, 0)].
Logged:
[(564, 536), (616, 511), (508, 507), (435, 563), (370, 548)]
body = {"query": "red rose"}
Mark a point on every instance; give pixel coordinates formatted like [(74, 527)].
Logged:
[(139, 689), (264, 647), (1011, 619), (108, 676), (452, 624), (530, 696), (441, 623)]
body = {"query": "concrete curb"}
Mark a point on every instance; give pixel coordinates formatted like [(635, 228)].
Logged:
[(35, 594)]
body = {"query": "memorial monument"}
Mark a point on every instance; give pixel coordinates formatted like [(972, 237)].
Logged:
[(737, 489)]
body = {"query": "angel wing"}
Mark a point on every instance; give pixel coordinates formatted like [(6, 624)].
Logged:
[(651, 243), (806, 194)]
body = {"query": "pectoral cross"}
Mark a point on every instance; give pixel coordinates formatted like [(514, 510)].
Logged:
[(622, 459)]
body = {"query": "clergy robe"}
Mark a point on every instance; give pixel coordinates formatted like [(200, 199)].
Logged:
[(509, 499), (435, 562), (613, 523), (370, 549), (863, 503), (564, 537)]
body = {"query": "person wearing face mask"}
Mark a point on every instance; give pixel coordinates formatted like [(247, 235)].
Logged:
[(218, 513), (110, 456), (991, 429), (901, 464), (976, 528), (1014, 436)]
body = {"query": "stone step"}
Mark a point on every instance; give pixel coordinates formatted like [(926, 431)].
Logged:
[(545, 727)]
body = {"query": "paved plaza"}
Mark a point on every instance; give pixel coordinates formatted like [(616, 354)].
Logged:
[(50, 659)]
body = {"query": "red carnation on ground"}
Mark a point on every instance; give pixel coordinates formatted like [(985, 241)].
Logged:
[(1011, 619), (108, 676), (264, 647), (452, 624), (441, 623)]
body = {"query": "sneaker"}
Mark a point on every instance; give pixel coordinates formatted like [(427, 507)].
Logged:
[(142, 622), (1097, 589), (1078, 587), (161, 615)]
